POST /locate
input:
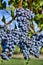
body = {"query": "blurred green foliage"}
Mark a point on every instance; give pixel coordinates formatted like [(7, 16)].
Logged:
[(17, 50), (0, 49), (41, 51)]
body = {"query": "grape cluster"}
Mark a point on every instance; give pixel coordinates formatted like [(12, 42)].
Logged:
[(24, 15), (7, 43), (19, 36), (9, 39), (24, 50), (14, 37), (36, 44), (23, 30)]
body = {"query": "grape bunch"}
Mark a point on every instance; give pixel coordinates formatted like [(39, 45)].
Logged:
[(7, 43), (13, 38), (24, 15), (23, 30), (36, 45), (19, 36), (9, 38), (22, 18), (24, 50)]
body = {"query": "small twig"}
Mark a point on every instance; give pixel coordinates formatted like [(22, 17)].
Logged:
[(20, 4), (30, 3)]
